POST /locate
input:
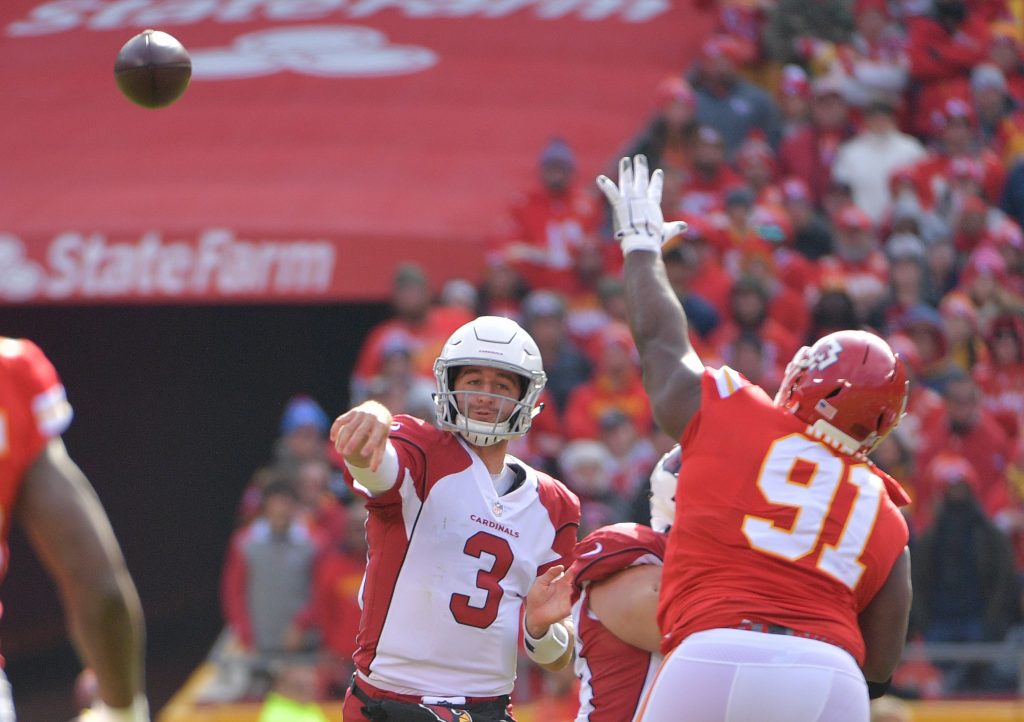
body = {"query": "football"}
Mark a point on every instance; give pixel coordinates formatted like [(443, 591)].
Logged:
[(153, 69)]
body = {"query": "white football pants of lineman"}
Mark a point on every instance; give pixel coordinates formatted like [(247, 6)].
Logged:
[(733, 675), (6, 703)]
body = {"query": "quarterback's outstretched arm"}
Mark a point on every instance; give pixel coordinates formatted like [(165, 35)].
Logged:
[(70, 532), (672, 370)]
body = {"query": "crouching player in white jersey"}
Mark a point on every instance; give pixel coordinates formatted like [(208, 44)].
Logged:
[(617, 576), (461, 536)]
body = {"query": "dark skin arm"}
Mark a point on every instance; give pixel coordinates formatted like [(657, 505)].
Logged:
[(69, 531), (884, 622), (671, 368)]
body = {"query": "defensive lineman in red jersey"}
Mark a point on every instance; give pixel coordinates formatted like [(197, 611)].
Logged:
[(617, 575), (786, 587), (43, 490), (463, 538)]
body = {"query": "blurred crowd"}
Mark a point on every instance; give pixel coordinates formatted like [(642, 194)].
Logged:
[(841, 164)]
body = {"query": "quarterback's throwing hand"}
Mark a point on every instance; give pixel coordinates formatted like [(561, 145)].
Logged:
[(636, 207), (361, 434)]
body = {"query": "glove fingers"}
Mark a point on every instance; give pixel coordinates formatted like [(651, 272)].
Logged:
[(609, 189), (654, 189), (670, 231), (625, 176), (641, 175)]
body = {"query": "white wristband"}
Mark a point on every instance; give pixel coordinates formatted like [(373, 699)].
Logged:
[(640, 242), (549, 647), (138, 712)]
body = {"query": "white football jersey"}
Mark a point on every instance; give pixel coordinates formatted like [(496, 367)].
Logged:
[(450, 564)]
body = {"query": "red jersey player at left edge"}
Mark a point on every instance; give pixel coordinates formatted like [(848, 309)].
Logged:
[(464, 539), (45, 492)]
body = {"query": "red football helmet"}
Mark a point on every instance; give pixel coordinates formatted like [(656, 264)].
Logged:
[(849, 386)]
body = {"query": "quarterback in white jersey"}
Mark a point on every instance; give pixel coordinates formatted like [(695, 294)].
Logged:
[(462, 538)]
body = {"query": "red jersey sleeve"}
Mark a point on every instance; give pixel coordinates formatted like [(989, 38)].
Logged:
[(33, 405), (610, 549), (564, 510), (425, 454)]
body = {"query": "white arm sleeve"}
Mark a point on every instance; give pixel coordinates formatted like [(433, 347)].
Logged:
[(377, 482)]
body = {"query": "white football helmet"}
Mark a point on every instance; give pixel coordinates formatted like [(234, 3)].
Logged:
[(499, 343), (663, 489)]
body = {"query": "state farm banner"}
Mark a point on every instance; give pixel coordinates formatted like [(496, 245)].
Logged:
[(321, 141)]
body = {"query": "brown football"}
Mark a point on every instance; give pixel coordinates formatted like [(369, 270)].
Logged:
[(153, 69)]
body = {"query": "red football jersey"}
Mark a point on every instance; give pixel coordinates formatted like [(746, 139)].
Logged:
[(773, 525), (33, 409), (613, 675)]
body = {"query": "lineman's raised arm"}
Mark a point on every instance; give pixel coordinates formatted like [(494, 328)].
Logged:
[(672, 370)]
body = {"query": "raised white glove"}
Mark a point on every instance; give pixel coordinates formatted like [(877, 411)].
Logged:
[(636, 207), (138, 712)]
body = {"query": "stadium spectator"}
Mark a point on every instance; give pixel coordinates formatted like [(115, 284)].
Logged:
[(49, 498), (851, 389), (302, 434), (335, 607), (963, 335), (412, 325), (794, 26), (501, 289), (867, 160), (809, 153), (964, 577), (812, 237), (972, 432), (682, 266), (566, 366), (397, 384), (616, 384), (548, 224), (616, 578), (728, 102), (748, 314), (924, 325), (1001, 378), (873, 64), (794, 99), (670, 133), (439, 580), (858, 264), (943, 47), (701, 188), (268, 577), (909, 280), (589, 471), (953, 134), (1007, 53), (992, 102), (833, 311), (757, 164), (318, 507), (925, 406), (633, 453)]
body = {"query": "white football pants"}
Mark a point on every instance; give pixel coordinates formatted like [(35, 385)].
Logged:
[(6, 703), (734, 675)]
